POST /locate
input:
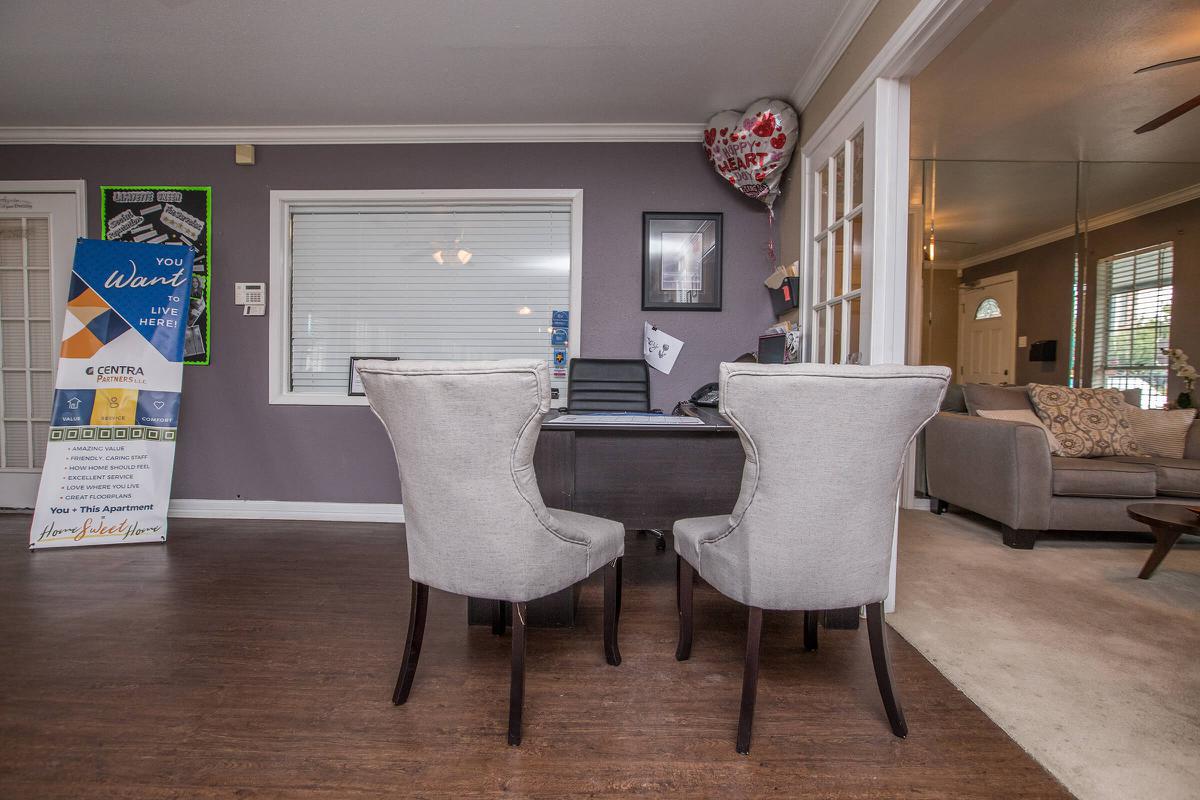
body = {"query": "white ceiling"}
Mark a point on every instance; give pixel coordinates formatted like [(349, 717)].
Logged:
[(1053, 80), (1031, 86), (381, 62)]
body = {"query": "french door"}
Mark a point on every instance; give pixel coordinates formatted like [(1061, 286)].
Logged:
[(39, 223), (856, 231)]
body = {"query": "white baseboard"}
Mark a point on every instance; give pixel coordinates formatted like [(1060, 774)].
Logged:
[(917, 504), (282, 509)]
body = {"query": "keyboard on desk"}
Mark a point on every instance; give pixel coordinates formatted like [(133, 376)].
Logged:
[(621, 419)]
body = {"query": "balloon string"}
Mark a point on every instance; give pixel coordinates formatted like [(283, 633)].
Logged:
[(771, 234)]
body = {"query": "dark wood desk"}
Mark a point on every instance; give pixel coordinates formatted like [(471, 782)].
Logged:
[(644, 476)]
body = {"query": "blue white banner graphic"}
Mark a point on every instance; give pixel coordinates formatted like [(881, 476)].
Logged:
[(107, 473)]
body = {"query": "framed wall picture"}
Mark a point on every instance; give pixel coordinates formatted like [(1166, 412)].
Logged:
[(681, 261)]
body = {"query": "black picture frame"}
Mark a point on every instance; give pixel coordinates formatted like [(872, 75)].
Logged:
[(350, 388), (692, 281)]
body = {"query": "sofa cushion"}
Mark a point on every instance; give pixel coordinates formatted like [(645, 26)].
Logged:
[(1160, 432), (1103, 477), (995, 398), (1088, 423), (954, 399), (1177, 477)]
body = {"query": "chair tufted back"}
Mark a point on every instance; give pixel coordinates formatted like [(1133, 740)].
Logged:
[(825, 445), (464, 434)]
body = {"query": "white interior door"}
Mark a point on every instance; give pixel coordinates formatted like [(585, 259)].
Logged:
[(987, 331), (38, 230)]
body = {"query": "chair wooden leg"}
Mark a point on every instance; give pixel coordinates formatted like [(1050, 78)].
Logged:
[(620, 584), (498, 609), (685, 583), (810, 630), (749, 680), (883, 669), (516, 690), (612, 611), (412, 644)]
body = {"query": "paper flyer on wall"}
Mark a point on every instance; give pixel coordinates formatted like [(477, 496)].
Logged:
[(178, 215), (107, 472), (659, 349)]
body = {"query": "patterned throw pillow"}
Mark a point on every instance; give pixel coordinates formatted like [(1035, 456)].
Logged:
[(1087, 423), (1159, 432)]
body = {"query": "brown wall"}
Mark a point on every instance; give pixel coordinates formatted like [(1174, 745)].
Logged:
[(939, 342), (1044, 286)]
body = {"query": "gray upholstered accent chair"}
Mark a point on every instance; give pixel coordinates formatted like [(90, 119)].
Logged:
[(464, 435), (812, 528)]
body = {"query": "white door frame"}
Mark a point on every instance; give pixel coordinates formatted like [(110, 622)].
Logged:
[(24, 481), (926, 31)]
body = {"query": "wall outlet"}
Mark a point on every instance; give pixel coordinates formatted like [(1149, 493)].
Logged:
[(1022, 341)]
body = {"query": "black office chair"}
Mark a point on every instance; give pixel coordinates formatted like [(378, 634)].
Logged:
[(610, 384)]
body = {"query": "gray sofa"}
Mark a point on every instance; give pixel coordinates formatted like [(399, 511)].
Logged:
[(1004, 471)]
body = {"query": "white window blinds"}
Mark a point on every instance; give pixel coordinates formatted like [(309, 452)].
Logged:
[(456, 281), (1133, 322)]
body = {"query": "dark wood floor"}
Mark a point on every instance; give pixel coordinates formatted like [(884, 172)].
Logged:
[(256, 659)]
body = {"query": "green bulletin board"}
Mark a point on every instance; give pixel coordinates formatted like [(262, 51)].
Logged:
[(169, 215)]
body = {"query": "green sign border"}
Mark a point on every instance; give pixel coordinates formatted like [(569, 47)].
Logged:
[(208, 257)]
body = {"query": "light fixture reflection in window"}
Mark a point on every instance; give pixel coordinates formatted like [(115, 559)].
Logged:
[(437, 256), (464, 256), (524, 311)]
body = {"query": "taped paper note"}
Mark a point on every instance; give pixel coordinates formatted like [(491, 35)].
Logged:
[(659, 349)]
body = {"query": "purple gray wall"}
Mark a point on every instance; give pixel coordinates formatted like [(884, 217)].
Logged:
[(233, 444)]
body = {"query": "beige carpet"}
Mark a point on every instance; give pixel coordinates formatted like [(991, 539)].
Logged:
[(1094, 672)]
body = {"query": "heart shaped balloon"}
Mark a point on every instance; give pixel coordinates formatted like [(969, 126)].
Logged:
[(750, 149)]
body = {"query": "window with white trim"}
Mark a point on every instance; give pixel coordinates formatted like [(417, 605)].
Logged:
[(417, 275), (1133, 321)]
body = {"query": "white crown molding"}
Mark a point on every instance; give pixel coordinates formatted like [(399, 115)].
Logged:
[(356, 134), (924, 33), (843, 31), (1184, 195), (282, 509)]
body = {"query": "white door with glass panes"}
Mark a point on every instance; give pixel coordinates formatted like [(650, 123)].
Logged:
[(855, 233), (836, 278), (987, 331), (38, 230)]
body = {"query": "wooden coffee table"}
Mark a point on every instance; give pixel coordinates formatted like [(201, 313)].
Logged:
[(1168, 522)]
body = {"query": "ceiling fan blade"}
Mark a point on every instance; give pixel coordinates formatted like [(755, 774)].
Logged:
[(1177, 111), (1163, 65)]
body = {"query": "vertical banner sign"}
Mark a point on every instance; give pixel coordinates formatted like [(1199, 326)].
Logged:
[(169, 215), (107, 473)]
